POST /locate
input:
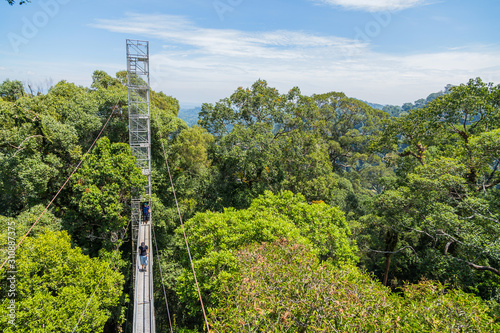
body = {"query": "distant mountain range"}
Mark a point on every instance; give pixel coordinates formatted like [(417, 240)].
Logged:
[(190, 116)]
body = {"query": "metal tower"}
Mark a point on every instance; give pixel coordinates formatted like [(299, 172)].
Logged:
[(139, 120), (140, 144)]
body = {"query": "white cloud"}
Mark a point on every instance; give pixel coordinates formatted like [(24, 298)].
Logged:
[(204, 65), (224, 42), (374, 5)]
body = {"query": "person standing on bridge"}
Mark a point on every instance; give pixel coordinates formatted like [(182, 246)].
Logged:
[(146, 211), (143, 254)]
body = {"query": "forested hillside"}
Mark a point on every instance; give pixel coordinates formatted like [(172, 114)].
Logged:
[(303, 213)]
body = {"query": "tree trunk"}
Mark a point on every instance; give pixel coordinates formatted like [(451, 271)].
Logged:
[(391, 240), (387, 267)]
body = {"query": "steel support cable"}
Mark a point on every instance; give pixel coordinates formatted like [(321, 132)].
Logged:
[(102, 277), (162, 282), (182, 225), (62, 187)]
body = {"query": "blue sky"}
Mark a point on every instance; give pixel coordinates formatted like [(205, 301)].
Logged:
[(382, 51)]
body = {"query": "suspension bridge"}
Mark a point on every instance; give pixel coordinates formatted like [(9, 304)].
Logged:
[(139, 106), (141, 225)]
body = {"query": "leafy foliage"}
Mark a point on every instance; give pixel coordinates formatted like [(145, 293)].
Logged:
[(41, 141), (283, 287), (54, 283), (266, 140), (278, 191), (102, 191), (440, 206), (215, 238), (11, 90)]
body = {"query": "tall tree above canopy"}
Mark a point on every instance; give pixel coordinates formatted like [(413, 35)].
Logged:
[(267, 140), (11, 90), (453, 125), (245, 107), (347, 124)]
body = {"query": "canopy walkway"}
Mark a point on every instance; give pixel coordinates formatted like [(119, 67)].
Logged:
[(140, 145), (141, 224), (144, 319)]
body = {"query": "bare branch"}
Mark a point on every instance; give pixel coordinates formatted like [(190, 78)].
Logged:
[(423, 232), (19, 148), (394, 252), (479, 267), (448, 246)]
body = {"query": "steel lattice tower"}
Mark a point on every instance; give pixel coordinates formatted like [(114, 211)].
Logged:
[(140, 144), (139, 119)]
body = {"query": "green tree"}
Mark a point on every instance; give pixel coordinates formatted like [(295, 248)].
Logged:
[(270, 141), (393, 110), (407, 107), (42, 139), (11, 90), (216, 237), (443, 203), (347, 124), (54, 282), (325, 226), (190, 149), (47, 133), (283, 287), (102, 189)]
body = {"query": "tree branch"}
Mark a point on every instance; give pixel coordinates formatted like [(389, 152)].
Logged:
[(423, 232), (410, 153), (285, 132), (479, 267), (19, 148), (486, 185), (394, 252), (448, 246)]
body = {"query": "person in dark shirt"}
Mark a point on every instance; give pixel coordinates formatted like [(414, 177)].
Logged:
[(145, 213), (143, 254)]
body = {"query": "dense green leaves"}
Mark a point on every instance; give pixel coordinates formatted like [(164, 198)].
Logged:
[(214, 238), (11, 90), (323, 225), (283, 287), (54, 283), (441, 205), (101, 194), (282, 196), (266, 140), (41, 141)]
